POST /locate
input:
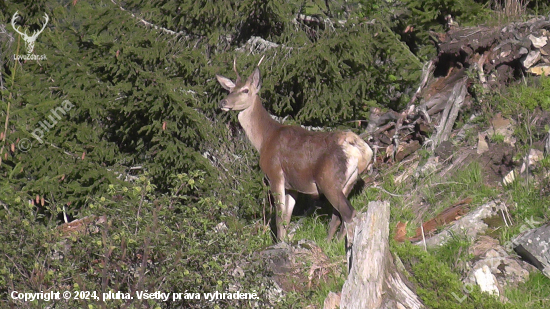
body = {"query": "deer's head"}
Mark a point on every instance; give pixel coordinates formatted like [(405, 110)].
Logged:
[(241, 94)]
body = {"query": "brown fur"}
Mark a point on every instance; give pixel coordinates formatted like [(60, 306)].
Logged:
[(297, 160)]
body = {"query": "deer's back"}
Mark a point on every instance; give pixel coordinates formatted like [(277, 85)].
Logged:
[(300, 155)]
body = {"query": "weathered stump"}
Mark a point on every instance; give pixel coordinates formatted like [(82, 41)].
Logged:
[(374, 281)]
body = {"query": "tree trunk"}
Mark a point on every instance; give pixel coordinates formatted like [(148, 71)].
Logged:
[(374, 281)]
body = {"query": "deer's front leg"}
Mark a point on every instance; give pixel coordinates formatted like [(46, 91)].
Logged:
[(282, 218)]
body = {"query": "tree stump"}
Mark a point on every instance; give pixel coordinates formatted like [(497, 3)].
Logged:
[(374, 280)]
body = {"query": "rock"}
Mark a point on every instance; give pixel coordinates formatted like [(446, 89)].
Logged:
[(541, 69), (491, 258), (482, 245), (332, 301), (221, 227), (238, 272), (532, 58), (486, 280), (534, 247), (504, 127), (509, 178), (522, 51), (534, 156), (430, 166), (299, 266), (538, 42), (444, 150), (275, 293), (482, 145)]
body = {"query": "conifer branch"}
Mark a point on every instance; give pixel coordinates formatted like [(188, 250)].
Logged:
[(156, 27), (406, 48)]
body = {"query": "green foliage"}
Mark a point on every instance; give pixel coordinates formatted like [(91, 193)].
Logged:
[(437, 285), (145, 145), (497, 138), (150, 241), (334, 80), (532, 96), (533, 294), (142, 98), (530, 209), (523, 98), (315, 228), (539, 7), (454, 253), (430, 15), (467, 182)]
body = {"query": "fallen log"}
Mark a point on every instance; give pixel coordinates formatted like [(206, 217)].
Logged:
[(374, 280), (496, 54), (450, 112), (519, 45), (429, 227), (470, 225)]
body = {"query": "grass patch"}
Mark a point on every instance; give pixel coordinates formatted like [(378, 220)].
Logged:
[(454, 253), (437, 285), (534, 293), (466, 182), (497, 138), (315, 228), (530, 209)]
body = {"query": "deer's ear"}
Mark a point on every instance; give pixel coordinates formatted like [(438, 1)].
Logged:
[(255, 79), (226, 83)]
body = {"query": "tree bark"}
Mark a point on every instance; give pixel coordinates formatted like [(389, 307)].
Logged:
[(450, 113), (374, 281)]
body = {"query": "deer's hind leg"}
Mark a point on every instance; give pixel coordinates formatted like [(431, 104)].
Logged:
[(337, 196), (335, 222)]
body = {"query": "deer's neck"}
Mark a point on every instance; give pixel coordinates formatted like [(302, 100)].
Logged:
[(257, 123)]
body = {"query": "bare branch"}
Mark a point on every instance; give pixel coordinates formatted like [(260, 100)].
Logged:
[(260, 62), (149, 24)]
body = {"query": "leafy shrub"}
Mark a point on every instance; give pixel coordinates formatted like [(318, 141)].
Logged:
[(150, 241), (532, 96)]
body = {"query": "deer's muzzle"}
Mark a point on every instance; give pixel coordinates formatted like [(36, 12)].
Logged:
[(223, 105)]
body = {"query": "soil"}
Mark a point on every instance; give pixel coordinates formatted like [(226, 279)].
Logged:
[(497, 163)]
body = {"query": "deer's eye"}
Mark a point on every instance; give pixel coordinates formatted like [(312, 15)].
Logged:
[(245, 91)]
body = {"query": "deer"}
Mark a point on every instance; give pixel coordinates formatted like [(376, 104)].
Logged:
[(29, 40), (296, 160)]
